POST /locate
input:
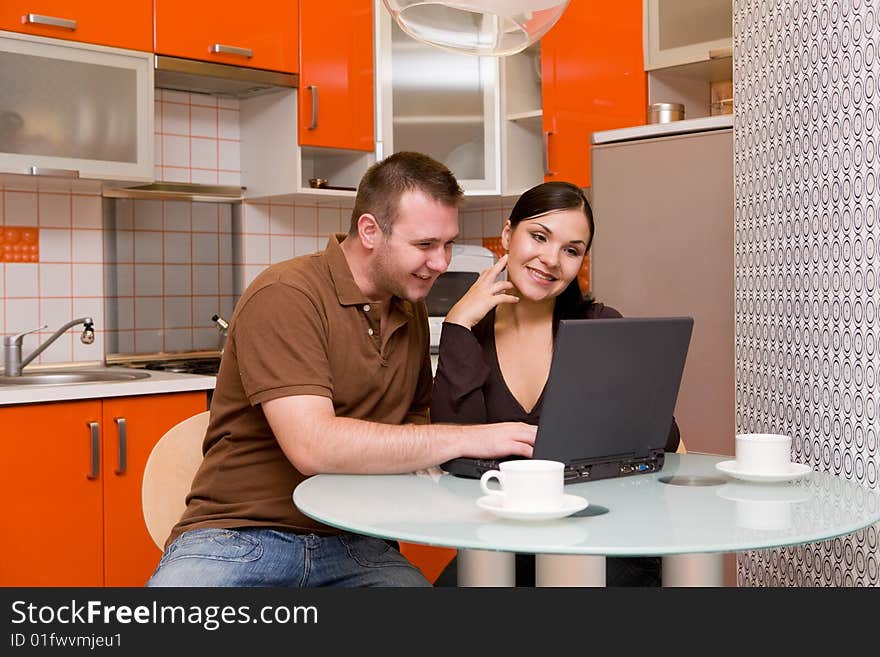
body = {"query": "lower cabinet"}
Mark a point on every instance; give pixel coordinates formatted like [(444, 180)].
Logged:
[(71, 488)]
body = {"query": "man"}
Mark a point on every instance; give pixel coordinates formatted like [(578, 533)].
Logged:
[(326, 370)]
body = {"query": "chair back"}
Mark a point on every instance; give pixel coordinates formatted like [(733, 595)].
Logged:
[(168, 475)]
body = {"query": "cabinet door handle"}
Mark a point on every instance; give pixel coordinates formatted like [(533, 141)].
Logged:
[(231, 50), (37, 19), (95, 432), (122, 445), (313, 89), (546, 153), (56, 173)]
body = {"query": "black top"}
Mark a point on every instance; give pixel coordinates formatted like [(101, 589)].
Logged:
[(469, 387)]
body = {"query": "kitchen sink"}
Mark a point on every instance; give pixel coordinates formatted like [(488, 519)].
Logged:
[(50, 378)]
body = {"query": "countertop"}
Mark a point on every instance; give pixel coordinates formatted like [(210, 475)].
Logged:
[(719, 122), (157, 382)]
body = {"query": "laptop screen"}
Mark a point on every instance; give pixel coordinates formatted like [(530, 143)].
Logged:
[(612, 387)]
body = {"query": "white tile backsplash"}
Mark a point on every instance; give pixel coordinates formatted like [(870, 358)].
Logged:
[(256, 249), (22, 280), (178, 279), (21, 208), (206, 279), (55, 245), (328, 220), (228, 124), (281, 219), (56, 312), (23, 315), (178, 339), (55, 280), (87, 245), (229, 156), (203, 122), (280, 248), (87, 211), (147, 280), (255, 218), (204, 153), (176, 215), (148, 313), (205, 248), (148, 246), (175, 151), (174, 119), (88, 280), (303, 245), (178, 247), (55, 210), (147, 215), (204, 217), (178, 312)]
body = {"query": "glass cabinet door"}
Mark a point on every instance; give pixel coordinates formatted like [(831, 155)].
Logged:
[(440, 103), (686, 31), (77, 109)]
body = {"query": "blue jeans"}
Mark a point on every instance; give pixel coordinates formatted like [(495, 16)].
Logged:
[(267, 557)]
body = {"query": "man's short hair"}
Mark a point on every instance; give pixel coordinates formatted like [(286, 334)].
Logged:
[(385, 182)]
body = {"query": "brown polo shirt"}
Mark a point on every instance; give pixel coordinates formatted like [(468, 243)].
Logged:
[(303, 327)]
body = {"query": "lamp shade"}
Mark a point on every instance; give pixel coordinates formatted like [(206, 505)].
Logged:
[(477, 27)]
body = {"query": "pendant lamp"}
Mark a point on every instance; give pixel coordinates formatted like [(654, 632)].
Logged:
[(477, 27)]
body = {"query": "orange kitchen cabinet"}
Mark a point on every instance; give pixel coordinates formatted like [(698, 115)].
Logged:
[(257, 34), (336, 75), (130, 556), (52, 505), (120, 24), (593, 79), (72, 515)]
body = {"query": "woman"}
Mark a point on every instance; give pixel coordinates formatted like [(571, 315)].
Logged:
[(497, 341)]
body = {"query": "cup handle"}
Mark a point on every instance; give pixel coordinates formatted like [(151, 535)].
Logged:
[(484, 481)]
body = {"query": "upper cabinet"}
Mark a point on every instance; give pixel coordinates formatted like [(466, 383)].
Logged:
[(441, 103), (75, 109), (592, 78), (336, 105), (126, 24), (680, 32), (258, 34)]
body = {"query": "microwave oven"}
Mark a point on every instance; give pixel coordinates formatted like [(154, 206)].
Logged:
[(468, 261)]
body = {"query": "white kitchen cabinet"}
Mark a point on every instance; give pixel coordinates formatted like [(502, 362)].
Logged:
[(523, 148), (75, 109), (273, 163), (680, 32), (441, 103)]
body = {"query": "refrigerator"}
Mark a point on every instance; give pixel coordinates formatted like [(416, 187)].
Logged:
[(662, 199)]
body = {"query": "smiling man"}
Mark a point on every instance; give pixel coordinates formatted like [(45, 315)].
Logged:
[(326, 370)]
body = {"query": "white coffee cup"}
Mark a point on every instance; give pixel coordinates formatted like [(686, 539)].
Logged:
[(763, 452), (529, 484)]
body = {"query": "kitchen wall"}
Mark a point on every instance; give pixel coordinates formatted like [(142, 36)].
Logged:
[(806, 137), (151, 273)]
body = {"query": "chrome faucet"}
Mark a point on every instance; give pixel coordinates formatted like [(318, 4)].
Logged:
[(14, 363)]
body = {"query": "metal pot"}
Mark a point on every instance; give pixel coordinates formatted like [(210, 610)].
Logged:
[(665, 112)]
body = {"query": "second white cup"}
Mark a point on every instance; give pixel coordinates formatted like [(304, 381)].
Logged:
[(530, 485), (763, 452)]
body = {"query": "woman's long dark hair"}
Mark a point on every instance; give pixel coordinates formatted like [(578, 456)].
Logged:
[(549, 197)]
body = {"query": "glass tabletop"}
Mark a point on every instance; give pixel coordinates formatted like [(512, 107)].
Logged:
[(700, 509)]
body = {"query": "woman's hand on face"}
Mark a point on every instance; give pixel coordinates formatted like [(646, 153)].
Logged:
[(483, 295)]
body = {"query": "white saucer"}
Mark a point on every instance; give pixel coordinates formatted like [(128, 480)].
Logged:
[(792, 472), (495, 504)]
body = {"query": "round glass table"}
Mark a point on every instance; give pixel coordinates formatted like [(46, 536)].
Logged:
[(689, 513)]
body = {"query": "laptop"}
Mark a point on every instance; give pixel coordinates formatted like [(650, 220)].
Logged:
[(609, 400)]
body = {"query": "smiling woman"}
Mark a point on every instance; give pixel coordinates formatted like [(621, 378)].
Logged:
[(497, 342)]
